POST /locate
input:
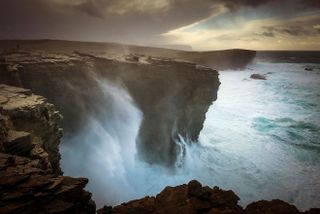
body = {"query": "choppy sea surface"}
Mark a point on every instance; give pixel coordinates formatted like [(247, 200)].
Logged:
[(260, 138)]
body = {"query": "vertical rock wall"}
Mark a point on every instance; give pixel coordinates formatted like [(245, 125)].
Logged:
[(31, 180)]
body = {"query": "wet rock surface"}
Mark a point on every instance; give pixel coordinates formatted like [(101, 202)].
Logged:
[(193, 198), (31, 180)]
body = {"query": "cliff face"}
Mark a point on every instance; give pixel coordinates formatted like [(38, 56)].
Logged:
[(221, 60), (30, 127), (173, 96), (30, 177)]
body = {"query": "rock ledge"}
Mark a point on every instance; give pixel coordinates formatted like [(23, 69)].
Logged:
[(193, 198), (31, 180)]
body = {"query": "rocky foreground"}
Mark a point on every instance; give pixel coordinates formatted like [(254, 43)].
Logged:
[(31, 180), (193, 198)]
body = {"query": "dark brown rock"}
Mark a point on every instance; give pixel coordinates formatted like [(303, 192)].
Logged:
[(258, 77), (195, 199), (30, 176), (222, 198), (194, 188), (18, 143), (270, 207), (313, 211), (191, 198), (23, 190)]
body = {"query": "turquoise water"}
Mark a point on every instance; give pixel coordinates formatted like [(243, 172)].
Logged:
[(260, 139), (264, 136)]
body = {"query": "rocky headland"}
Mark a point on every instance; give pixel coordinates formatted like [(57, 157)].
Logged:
[(173, 96), (31, 180), (220, 60), (169, 86)]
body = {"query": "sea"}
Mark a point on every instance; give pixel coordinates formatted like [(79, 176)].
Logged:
[(261, 139)]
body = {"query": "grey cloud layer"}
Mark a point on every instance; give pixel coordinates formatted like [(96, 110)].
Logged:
[(294, 30), (131, 21)]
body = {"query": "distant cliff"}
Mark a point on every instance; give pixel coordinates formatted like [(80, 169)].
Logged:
[(218, 60), (173, 96)]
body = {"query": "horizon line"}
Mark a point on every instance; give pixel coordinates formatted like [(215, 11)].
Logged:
[(156, 45)]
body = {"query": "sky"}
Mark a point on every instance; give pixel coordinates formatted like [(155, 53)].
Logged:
[(201, 24)]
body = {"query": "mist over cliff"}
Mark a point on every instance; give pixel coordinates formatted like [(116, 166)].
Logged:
[(107, 154), (123, 117), (136, 123)]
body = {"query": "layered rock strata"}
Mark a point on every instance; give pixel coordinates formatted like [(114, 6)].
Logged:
[(221, 60), (31, 180), (173, 96)]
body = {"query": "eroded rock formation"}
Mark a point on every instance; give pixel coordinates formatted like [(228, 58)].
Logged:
[(31, 180), (173, 96)]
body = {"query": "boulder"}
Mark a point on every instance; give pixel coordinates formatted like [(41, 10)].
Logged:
[(258, 77), (270, 207), (191, 198)]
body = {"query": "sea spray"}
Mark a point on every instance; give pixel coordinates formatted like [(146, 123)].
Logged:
[(105, 150), (248, 143)]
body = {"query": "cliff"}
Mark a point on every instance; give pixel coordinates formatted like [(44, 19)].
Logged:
[(220, 60), (173, 96), (193, 198), (31, 180)]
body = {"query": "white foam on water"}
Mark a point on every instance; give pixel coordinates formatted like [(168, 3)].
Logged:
[(260, 139)]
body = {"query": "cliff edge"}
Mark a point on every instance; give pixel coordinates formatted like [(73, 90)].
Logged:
[(31, 180), (173, 96)]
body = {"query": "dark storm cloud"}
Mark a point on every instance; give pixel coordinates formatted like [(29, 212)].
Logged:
[(96, 19), (236, 4), (310, 3), (135, 21), (268, 34), (271, 31), (96, 7), (296, 31), (91, 8)]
